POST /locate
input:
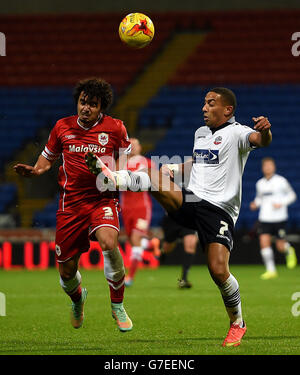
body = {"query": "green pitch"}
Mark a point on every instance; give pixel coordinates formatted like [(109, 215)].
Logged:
[(166, 320)]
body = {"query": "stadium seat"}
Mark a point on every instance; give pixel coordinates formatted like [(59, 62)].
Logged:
[(238, 51), (8, 195), (46, 218)]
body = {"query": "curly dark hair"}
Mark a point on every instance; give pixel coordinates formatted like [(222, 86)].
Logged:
[(95, 87)]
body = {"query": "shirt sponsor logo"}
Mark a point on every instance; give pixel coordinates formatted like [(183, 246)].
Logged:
[(206, 156), (103, 139), (88, 148)]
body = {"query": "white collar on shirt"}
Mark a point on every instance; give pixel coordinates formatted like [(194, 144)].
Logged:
[(97, 122)]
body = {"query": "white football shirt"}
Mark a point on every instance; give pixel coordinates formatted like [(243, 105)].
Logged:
[(219, 158), (270, 191)]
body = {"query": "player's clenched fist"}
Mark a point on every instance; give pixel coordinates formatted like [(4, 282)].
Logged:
[(261, 123), (169, 169)]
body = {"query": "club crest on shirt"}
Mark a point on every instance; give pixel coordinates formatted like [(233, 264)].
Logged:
[(57, 250), (218, 140), (103, 139)]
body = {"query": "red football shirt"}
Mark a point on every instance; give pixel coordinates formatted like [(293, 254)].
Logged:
[(107, 138)]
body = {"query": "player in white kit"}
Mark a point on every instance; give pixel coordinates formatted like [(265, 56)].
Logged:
[(211, 203), (273, 196)]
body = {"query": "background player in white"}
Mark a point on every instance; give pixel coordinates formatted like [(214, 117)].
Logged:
[(273, 196), (212, 200)]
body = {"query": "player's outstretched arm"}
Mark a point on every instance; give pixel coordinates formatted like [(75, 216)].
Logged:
[(172, 170), (42, 165), (165, 191), (263, 136)]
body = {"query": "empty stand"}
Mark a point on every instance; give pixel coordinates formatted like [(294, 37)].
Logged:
[(58, 50), (249, 52), (25, 111)]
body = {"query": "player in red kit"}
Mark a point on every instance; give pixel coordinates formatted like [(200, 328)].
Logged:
[(84, 212), (136, 212)]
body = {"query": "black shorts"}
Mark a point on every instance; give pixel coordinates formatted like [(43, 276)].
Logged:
[(274, 229), (173, 231), (211, 222)]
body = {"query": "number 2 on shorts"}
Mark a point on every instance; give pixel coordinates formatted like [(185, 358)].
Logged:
[(224, 227)]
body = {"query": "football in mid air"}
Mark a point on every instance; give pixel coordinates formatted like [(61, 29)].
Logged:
[(136, 30)]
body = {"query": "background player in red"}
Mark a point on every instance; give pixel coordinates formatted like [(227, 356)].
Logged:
[(84, 212), (137, 212)]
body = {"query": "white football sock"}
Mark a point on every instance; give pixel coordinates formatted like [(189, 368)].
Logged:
[(137, 253), (232, 299), (133, 181), (71, 285), (140, 181), (268, 259), (144, 243), (113, 265)]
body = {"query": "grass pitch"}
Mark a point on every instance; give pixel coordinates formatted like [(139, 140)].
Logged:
[(166, 320)]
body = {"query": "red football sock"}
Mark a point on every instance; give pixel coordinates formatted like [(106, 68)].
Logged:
[(133, 267), (75, 295), (116, 290)]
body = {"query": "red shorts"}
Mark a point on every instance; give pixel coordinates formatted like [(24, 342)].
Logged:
[(75, 229), (137, 219)]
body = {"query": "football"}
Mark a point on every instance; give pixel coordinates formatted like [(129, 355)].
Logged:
[(136, 30)]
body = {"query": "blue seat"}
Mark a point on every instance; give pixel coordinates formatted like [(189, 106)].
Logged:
[(47, 217), (8, 195), (26, 111)]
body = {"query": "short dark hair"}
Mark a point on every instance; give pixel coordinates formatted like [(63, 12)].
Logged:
[(227, 95), (95, 87), (268, 158)]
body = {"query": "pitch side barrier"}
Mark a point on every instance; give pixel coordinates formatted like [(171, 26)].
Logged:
[(37, 255)]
